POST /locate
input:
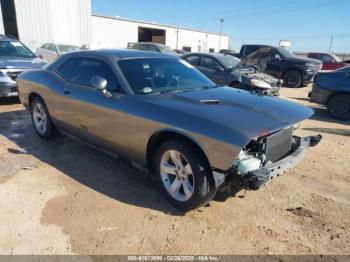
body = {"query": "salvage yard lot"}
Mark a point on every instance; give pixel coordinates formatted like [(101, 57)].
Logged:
[(63, 197)]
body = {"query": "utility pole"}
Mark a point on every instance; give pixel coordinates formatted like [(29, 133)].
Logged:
[(221, 29), (177, 38), (331, 44)]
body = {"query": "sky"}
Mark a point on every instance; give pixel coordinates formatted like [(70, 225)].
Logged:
[(308, 24)]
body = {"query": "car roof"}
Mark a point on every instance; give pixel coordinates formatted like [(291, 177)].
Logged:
[(217, 55), (7, 38), (120, 53), (150, 43)]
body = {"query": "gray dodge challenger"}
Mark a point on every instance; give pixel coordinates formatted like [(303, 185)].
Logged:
[(165, 116)]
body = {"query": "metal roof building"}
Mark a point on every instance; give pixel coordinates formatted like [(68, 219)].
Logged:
[(36, 22)]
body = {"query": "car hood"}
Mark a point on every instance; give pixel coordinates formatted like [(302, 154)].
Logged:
[(252, 73), (21, 63), (232, 112)]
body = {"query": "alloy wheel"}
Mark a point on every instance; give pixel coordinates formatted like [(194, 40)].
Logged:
[(177, 175)]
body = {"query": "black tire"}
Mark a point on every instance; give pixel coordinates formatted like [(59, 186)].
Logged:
[(204, 189), (292, 79), (48, 132), (339, 106)]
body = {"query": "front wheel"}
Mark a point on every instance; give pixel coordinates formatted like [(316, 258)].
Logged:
[(339, 107), (41, 119), (292, 79), (184, 175)]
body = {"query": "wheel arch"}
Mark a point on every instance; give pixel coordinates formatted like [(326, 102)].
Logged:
[(342, 92), (32, 96), (161, 136)]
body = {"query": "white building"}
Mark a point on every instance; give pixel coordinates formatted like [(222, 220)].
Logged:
[(36, 22)]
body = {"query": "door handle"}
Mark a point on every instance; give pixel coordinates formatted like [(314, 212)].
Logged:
[(66, 91)]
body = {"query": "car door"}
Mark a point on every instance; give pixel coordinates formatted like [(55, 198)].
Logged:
[(271, 61), (213, 70), (86, 111)]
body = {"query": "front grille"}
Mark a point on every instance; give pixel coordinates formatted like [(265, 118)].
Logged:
[(13, 75), (279, 144)]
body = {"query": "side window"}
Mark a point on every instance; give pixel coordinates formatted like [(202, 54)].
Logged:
[(326, 58), (193, 60), (250, 49), (51, 47), (311, 55), (210, 63), (81, 71), (143, 47), (152, 48)]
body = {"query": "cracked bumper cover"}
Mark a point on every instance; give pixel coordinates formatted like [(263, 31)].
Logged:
[(261, 176)]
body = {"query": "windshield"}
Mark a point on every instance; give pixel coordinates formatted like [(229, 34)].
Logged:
[(15, 49), (162, 75), (229, 61), (285, 53), (67, 48), (166, 49)]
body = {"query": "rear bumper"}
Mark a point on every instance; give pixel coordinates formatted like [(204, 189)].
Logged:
[(319, 95), (270, 171)]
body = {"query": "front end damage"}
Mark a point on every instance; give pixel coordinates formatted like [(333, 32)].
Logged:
[(266, 158)]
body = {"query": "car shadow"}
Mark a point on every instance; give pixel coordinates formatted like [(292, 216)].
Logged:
[(333, 131), (9, 101), (90, 167), (321, 114)]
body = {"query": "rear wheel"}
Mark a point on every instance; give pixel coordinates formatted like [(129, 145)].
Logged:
[(184, 175), (292, 79), (41, 119), (339, 107)]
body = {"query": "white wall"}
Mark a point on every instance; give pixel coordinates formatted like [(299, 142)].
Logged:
[(63, 21), (2, 31), (112, 32)]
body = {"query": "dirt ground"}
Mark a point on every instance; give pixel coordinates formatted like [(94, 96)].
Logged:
[(63, 197)]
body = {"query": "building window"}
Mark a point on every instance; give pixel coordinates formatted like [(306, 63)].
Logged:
[(187, 48)]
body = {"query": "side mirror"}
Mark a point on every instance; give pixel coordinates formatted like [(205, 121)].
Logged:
[(39, 56), (278, 57), (219, 69), (99, 82)]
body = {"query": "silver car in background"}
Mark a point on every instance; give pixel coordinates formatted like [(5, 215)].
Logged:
[(161, 113), (50, 51), (14, 58)]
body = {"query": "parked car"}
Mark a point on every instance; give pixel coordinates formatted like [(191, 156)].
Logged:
[(247, 50), (152, 47), (163, 114), (229, 52), (332, 89), (51, 51), (226, 70), (14, 58), (330, 61), (180, 51), (282, 64)]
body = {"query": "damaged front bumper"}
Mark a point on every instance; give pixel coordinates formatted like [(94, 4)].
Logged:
[(257, 178)]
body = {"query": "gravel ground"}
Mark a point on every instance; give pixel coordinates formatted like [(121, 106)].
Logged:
[(63, 197)]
